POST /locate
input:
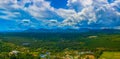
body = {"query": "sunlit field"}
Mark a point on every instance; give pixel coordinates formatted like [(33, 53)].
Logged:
[(110, 55)]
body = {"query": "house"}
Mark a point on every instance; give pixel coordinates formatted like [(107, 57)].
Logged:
[(14, 52), (92, 37), (86, 52)]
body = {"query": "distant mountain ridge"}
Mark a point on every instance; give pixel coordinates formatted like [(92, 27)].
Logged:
[(56, 30), (74, 30)]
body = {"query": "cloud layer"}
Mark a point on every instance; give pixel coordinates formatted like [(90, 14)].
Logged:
[(78, 14)]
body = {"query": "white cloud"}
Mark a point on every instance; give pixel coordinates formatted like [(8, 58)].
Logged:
[(79, 12), (8, 15), (25, 22), (97, 11), (117, 27), (65, 13), (86, 13)]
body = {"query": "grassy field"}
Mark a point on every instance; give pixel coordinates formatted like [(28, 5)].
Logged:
[(110, 55)]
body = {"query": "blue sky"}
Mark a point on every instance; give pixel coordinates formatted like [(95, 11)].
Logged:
[(18, 15), (58, 3)]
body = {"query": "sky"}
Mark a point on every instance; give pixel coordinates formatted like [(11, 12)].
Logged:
[(18, 15)]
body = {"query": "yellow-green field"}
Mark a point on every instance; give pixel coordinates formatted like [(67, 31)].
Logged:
[(110, 55)]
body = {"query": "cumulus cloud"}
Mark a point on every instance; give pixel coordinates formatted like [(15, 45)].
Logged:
[(98, 12), (80, 13)]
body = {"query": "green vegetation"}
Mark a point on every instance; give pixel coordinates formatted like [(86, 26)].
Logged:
[(110, 55), (58, 45)]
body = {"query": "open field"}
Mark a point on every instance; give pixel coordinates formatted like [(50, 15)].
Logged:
[(110, 55)]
